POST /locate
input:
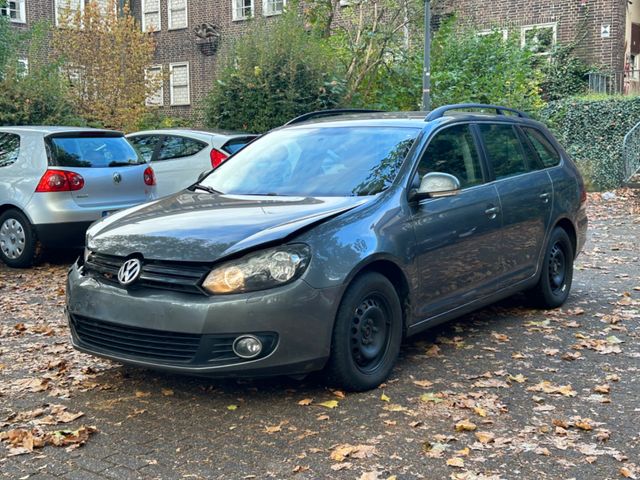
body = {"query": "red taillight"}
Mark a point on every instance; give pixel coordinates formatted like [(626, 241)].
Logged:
[(149, 177), (60, 181), (217, 157)]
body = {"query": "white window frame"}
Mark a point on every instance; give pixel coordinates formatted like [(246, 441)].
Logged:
[(21, 9), (539, 26), (489, 31), (265, 3), (56, 13), (23, 63), (171, 67), (160, 92), (186, 16), (145, 27), (234, 11)]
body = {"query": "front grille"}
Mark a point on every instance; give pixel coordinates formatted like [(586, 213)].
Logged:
[(155, 274), (136, 341)]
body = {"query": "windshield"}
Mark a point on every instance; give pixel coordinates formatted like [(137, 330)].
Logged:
[(326, 161), (92, 152)]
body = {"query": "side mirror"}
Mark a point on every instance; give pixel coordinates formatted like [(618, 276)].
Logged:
[(437, 184), (202, 175)]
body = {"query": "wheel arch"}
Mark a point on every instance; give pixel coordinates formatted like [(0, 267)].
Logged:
[(567, 226), (10, 206)]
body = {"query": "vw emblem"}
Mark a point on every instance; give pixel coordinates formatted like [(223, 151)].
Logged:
[(117, 178), (129, 271)]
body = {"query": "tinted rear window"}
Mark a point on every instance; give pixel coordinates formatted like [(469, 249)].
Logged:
[(92, 152), (232, 146), (503, 149), (9, 149), (548, 155)]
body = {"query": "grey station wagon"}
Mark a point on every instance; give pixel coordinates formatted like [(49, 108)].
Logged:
[(325, 242)]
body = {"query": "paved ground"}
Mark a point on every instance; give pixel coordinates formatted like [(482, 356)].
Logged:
[(508, 392)]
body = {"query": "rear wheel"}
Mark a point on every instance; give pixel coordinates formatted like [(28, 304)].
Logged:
[(19, 246), (367, 334), (554, 285)]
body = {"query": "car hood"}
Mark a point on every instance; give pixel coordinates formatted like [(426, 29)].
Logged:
[(200, 227)]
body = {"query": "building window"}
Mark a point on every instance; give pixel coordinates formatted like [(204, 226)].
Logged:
[(178, 14), (151, 15), (67, 9), (23, 66), (273, 7), (15, 10), (179, 83), (242, 9), (503, 31), (154, 74), (540, 39)]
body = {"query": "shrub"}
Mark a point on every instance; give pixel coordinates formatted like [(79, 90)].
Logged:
[(467, 67), (592, 130), (272, 74), (155, 120), (565, 75)]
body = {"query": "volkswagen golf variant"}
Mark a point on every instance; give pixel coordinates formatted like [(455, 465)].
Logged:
[(324, 243)]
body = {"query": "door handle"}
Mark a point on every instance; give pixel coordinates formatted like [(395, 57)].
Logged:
[(492, 212), (545, 197)]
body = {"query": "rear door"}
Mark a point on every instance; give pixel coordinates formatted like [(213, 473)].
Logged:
[(457, 237), (178, 162), (113, 172), (526, 195)]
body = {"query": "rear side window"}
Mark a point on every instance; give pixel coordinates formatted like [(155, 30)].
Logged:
[(92, 152), (453, 151), (145, 145), (503, 149), (548, 155), (235, 144), (177, 147), (9, 149)]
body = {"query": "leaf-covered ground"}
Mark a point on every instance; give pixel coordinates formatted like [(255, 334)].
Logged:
[(507, 392)]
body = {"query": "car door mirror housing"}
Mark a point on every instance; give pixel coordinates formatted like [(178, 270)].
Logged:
[(437, 184)]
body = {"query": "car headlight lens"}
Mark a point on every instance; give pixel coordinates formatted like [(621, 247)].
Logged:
[(259, 271)]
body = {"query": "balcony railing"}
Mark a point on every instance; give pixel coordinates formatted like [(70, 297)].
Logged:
[(626, 82)]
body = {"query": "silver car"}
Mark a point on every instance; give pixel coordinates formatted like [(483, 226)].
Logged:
[(56, 181)]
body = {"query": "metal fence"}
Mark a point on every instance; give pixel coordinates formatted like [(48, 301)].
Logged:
[(625, 82), (631, 155)]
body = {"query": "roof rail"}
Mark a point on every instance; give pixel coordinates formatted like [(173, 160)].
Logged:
[(329, 113), (440, 111)]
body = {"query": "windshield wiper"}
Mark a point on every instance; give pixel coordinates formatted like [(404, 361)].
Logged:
[(210, 190)]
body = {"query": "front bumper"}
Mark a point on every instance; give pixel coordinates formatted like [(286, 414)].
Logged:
[(297, 317)]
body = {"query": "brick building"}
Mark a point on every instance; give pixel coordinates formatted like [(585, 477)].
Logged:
[(608, 32)]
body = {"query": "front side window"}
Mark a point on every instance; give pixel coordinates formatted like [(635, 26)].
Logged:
[(316, 161), (504, 150), (151, 15), (453, 151), (177, 147), (92, 152), (177, 14), (145, 145), (241, 9), (15, 10), (9, 149), (273, 7), (547, 153)]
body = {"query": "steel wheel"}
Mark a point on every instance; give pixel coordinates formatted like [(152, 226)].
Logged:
[(13, 238), (557, 268), (370, 332), (554, 285)]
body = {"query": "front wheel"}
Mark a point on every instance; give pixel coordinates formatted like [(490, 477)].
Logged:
[(367, 334), (19, 247), (554, 285)]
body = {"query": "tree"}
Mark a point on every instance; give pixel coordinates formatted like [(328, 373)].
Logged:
[(273, 73), (467, 67), (105, 56)]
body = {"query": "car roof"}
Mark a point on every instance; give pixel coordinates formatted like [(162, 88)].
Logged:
[(49, 129), (192, 132)]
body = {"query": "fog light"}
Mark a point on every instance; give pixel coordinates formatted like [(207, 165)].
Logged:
[(247, 346)]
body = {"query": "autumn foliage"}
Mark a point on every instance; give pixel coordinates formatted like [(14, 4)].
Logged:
[(105, 54)]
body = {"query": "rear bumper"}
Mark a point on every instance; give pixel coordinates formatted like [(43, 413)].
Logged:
[(62, 235)]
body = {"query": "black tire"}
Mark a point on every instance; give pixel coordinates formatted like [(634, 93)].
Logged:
[(19, 246), (556, 276), (367, 334)]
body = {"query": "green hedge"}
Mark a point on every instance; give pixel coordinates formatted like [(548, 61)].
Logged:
[(592, 130)]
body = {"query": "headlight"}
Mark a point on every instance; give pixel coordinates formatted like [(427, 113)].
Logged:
[(259, 271)]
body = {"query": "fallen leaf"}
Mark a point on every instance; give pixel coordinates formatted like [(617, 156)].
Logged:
[(485, 437), (384, 398), (465, 425), (602, 388), (305, 401), (455, 462), (232, 407), (328, 404), (167, 392)]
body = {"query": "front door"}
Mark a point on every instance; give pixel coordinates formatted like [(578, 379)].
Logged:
[(458, 237)]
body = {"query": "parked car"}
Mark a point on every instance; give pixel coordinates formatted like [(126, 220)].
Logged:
[(325, 242), (56, 181), (179, 156)]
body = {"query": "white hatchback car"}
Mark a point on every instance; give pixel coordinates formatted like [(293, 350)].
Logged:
[(178, 157), (56, 181)]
